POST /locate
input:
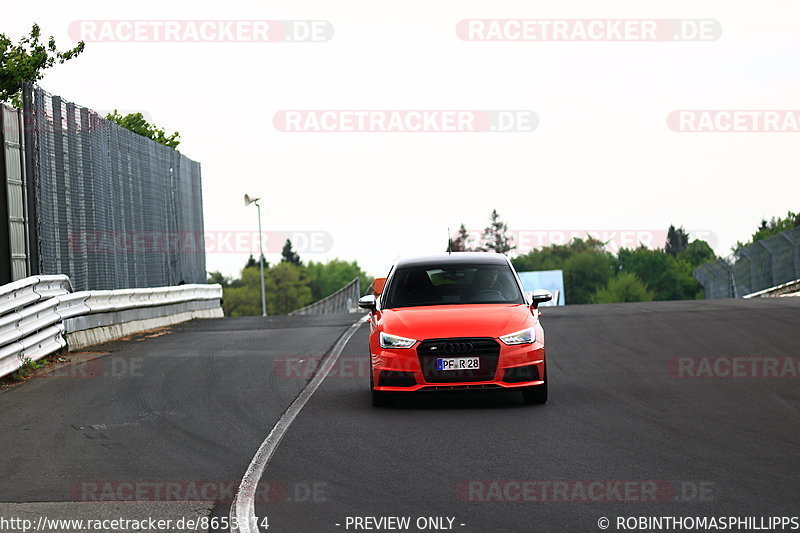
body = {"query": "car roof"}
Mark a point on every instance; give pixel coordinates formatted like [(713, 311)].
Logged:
[(455, 258)]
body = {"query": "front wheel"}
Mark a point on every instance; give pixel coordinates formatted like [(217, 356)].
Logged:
[(537, 394)]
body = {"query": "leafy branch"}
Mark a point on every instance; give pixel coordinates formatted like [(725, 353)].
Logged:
[(25, 62)]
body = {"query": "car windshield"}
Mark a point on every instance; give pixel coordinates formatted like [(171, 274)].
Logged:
[(452, 285)]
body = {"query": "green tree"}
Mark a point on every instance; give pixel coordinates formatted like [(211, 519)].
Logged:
[(584, 273), (554, 256), (217, 277), (495, 236), (668, 277), (586, 265), (251, 262), (286, 284), (697, 253), (772, 227), (677, 241), (624, 287), (136, 123), (459, 243), (26, 61), (327, 278), (287, 288), (288, 255), (588, 268), (243, 296)]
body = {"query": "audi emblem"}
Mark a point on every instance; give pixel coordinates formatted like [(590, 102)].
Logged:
[(452, 348)]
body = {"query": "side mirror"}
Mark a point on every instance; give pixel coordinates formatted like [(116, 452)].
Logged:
[(539, 296), (368, 302)]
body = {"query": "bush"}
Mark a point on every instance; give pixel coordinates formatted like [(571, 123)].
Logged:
[(625, 287)]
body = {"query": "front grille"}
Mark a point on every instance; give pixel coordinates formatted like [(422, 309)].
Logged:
[(488, 350)]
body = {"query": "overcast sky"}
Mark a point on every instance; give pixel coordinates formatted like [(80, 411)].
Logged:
[(601, 157)]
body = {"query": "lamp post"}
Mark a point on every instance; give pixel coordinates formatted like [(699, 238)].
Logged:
[(248, 201)]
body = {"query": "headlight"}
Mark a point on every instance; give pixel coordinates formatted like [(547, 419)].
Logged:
[(525, 336), (393, 341)]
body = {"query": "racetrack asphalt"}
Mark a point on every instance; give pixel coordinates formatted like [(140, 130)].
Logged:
[(194, 404)]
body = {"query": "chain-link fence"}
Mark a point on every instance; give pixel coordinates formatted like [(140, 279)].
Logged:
[(761, 265), (111, 209), (345, 300)]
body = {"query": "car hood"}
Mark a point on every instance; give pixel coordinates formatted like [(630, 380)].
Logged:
[(443, 321)]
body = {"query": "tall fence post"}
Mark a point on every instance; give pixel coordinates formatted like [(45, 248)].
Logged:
[(29, 147), (5, 229), (14, 222)]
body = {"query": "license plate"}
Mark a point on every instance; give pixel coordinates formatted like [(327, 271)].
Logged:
[(458, 363)]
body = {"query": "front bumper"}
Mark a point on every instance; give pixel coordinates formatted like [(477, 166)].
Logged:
[(408, 370)]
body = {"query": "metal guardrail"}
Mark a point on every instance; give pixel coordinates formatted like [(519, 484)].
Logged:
[(33, 312), (345, 300), (30, 290), (784, 289)]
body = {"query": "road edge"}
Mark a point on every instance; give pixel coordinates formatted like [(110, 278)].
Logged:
[(243, 510)]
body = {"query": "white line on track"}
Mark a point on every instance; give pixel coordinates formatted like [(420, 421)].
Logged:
[(243, 509)]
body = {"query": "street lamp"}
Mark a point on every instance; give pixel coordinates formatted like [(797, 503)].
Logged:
[(248, 201)]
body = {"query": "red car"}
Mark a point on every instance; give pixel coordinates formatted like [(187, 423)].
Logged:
[(454, 322)]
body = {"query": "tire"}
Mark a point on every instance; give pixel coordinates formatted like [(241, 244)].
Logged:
[(536, 395), (379, 398)]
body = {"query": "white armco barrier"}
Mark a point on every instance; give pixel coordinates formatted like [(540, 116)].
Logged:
[(40, 315), (791, 288)]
